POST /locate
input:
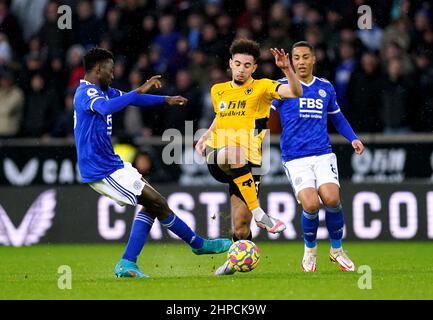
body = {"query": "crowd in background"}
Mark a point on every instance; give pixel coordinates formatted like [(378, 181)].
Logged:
[(383, 76)]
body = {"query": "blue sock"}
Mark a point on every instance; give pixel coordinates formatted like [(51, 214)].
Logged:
[(140, 230), (181, 229), (310, 223), (335, 223)]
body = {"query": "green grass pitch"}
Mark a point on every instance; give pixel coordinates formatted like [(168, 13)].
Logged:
[(399, 270)]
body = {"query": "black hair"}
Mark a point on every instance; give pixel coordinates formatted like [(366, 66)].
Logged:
[(303, 44), (245, 46), (95, 56)]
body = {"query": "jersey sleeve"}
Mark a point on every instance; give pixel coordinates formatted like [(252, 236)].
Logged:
[(272, 89), (277, 103), (342, 125), (90, 95), (94, 100), (113, 92), (333, 106), (141, 100), (337, 118)]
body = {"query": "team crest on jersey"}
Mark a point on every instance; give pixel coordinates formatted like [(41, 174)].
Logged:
[(248, 91), (322, 93), (137, 185), (222, 106)]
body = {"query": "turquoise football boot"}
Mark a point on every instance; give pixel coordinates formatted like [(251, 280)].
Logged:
[(128, 269), (213, 246)]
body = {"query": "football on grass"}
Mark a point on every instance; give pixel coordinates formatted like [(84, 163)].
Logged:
[(244, 255)]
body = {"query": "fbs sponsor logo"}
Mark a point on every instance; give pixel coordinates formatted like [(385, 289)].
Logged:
[(310, 108), (310, 105), (37, 221)]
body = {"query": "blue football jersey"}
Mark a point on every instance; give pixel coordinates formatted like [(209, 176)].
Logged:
[(304, 120), (92, 130)]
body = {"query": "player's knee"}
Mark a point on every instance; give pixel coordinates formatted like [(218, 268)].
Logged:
[(235, 157), (160, 208), (311, 206), (332, 201)]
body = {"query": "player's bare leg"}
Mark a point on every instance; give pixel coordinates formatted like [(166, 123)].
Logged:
[(309, 199), (241, 221), (330, 195), (233, 161), (155, 206), (154, 202)]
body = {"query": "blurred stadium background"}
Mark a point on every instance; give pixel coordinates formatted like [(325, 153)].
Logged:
[(383, 77)]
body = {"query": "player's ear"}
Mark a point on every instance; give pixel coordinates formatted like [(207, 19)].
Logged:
[(254, 67), (98, 68)]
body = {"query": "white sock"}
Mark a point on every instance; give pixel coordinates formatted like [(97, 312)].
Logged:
[(258, 213)]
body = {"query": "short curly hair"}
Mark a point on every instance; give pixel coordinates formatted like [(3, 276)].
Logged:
[(244, 46), (95, 56)]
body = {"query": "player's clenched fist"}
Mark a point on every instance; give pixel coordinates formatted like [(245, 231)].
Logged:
[(176, 100), (358, 146), (155, 81)]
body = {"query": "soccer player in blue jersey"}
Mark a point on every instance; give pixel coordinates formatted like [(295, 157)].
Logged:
[(307, 156), (94, 103)]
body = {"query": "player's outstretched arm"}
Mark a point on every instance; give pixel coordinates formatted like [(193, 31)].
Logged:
[(135, 97), (293, 88), (103, 106), (144, 100), (343, 127)]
